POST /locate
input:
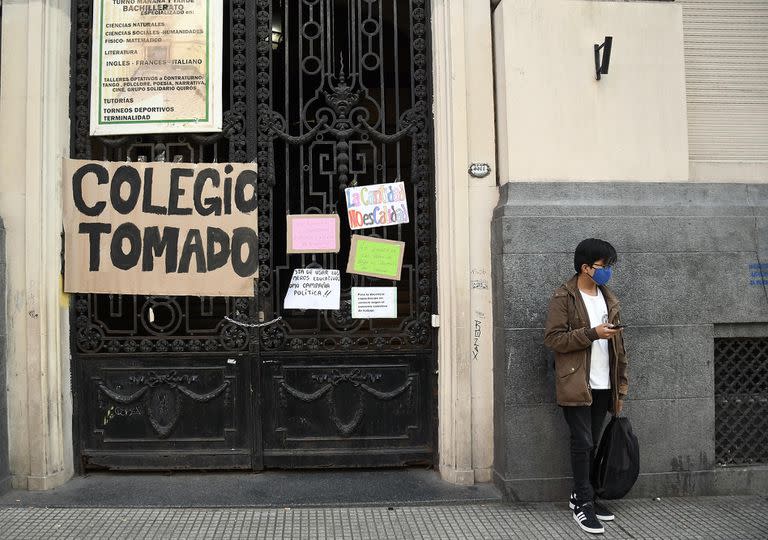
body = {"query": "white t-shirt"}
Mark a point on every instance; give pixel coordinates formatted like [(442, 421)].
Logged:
[(600, 371)]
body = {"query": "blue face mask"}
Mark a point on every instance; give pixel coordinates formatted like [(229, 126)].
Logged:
[(602, 275)]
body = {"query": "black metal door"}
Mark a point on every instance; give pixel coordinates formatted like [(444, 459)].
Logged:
[(323, 94), (343, 99)]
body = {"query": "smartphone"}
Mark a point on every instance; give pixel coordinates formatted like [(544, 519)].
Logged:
[(618, 326)]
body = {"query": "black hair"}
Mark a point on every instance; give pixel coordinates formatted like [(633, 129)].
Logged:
[(591, 250)]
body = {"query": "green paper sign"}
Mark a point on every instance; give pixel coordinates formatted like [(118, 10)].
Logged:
[(376, 257)]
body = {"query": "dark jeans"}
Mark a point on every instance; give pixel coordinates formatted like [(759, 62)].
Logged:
[(586, 425)]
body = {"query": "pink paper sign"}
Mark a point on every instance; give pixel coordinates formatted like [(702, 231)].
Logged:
[(313, 233)]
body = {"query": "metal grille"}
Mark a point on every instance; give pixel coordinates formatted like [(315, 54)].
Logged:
[(119, 324), (321, 94), (344, 96), (741, 401)]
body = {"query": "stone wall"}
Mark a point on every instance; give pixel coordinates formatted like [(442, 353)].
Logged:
[(682, 277)]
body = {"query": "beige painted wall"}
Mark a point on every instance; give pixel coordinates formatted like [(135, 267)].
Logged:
[(556, 122), (737, 172), (483, 197), (13, 104), (464, 133), (34, 73)]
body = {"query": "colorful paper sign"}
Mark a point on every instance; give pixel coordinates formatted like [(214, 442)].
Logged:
[(313, 233), (375, 257), (378, 205), (160, 228), (314, 288), (374, 302), (156, 66)]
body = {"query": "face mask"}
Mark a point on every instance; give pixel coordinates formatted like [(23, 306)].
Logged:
[(602, 275)]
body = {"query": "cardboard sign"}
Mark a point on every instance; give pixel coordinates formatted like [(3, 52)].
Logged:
[(160, 228), (375, 257), (376, 206), (314, 288), (313, 233), (374, 302), (156, 66)]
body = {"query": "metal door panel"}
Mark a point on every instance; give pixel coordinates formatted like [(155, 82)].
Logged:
[(175, 413), (343, 99)]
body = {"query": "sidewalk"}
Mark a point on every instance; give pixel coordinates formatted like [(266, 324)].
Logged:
[(738, 518), (384, 504)]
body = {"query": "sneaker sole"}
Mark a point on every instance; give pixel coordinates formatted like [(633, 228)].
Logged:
[(601, 518), (601, 530)]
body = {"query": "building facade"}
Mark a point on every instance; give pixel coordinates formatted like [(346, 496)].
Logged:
[(664, 156)]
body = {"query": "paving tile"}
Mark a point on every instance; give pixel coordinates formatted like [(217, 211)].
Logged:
[(720, 518)]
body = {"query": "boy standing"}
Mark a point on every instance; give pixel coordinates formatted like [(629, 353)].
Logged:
[(583, 328)]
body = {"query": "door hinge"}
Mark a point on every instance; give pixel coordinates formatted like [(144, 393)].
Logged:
[(435, 320)]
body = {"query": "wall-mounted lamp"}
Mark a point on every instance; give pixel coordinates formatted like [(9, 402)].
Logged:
[(601, 67)]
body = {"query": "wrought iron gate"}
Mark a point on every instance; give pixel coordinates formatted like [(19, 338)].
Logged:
[(322, 94)]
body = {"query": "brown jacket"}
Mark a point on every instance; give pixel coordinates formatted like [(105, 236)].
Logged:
[(570, 335)]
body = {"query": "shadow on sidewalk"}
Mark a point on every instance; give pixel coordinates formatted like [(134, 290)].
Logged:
[(273, 489)]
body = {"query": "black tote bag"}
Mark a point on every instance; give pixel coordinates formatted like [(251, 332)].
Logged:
[(617, 461)]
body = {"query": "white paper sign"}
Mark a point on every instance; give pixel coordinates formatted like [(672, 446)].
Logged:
[(374, 302), (313, 288), (378, 205)]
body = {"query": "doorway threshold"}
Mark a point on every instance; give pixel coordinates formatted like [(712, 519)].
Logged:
[(270, 489)]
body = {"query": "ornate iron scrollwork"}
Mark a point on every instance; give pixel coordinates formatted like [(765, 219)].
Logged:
[(182, 325), (339, 111), (344, 128), (160, 396), (330, 122), (360, 381)]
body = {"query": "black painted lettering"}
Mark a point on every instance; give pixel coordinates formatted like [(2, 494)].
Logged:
[(155, 244), (211, 205), (121, 259), (245, 237), (102, 177), (193, 245), (246, 203), (125, 174), (176, 191), (146, 204), (94, 230), (217, 259), (227, 196)]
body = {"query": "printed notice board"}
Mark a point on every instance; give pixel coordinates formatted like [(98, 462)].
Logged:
[(374, 302), (313, 233), (156, 66), (375, 257)]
